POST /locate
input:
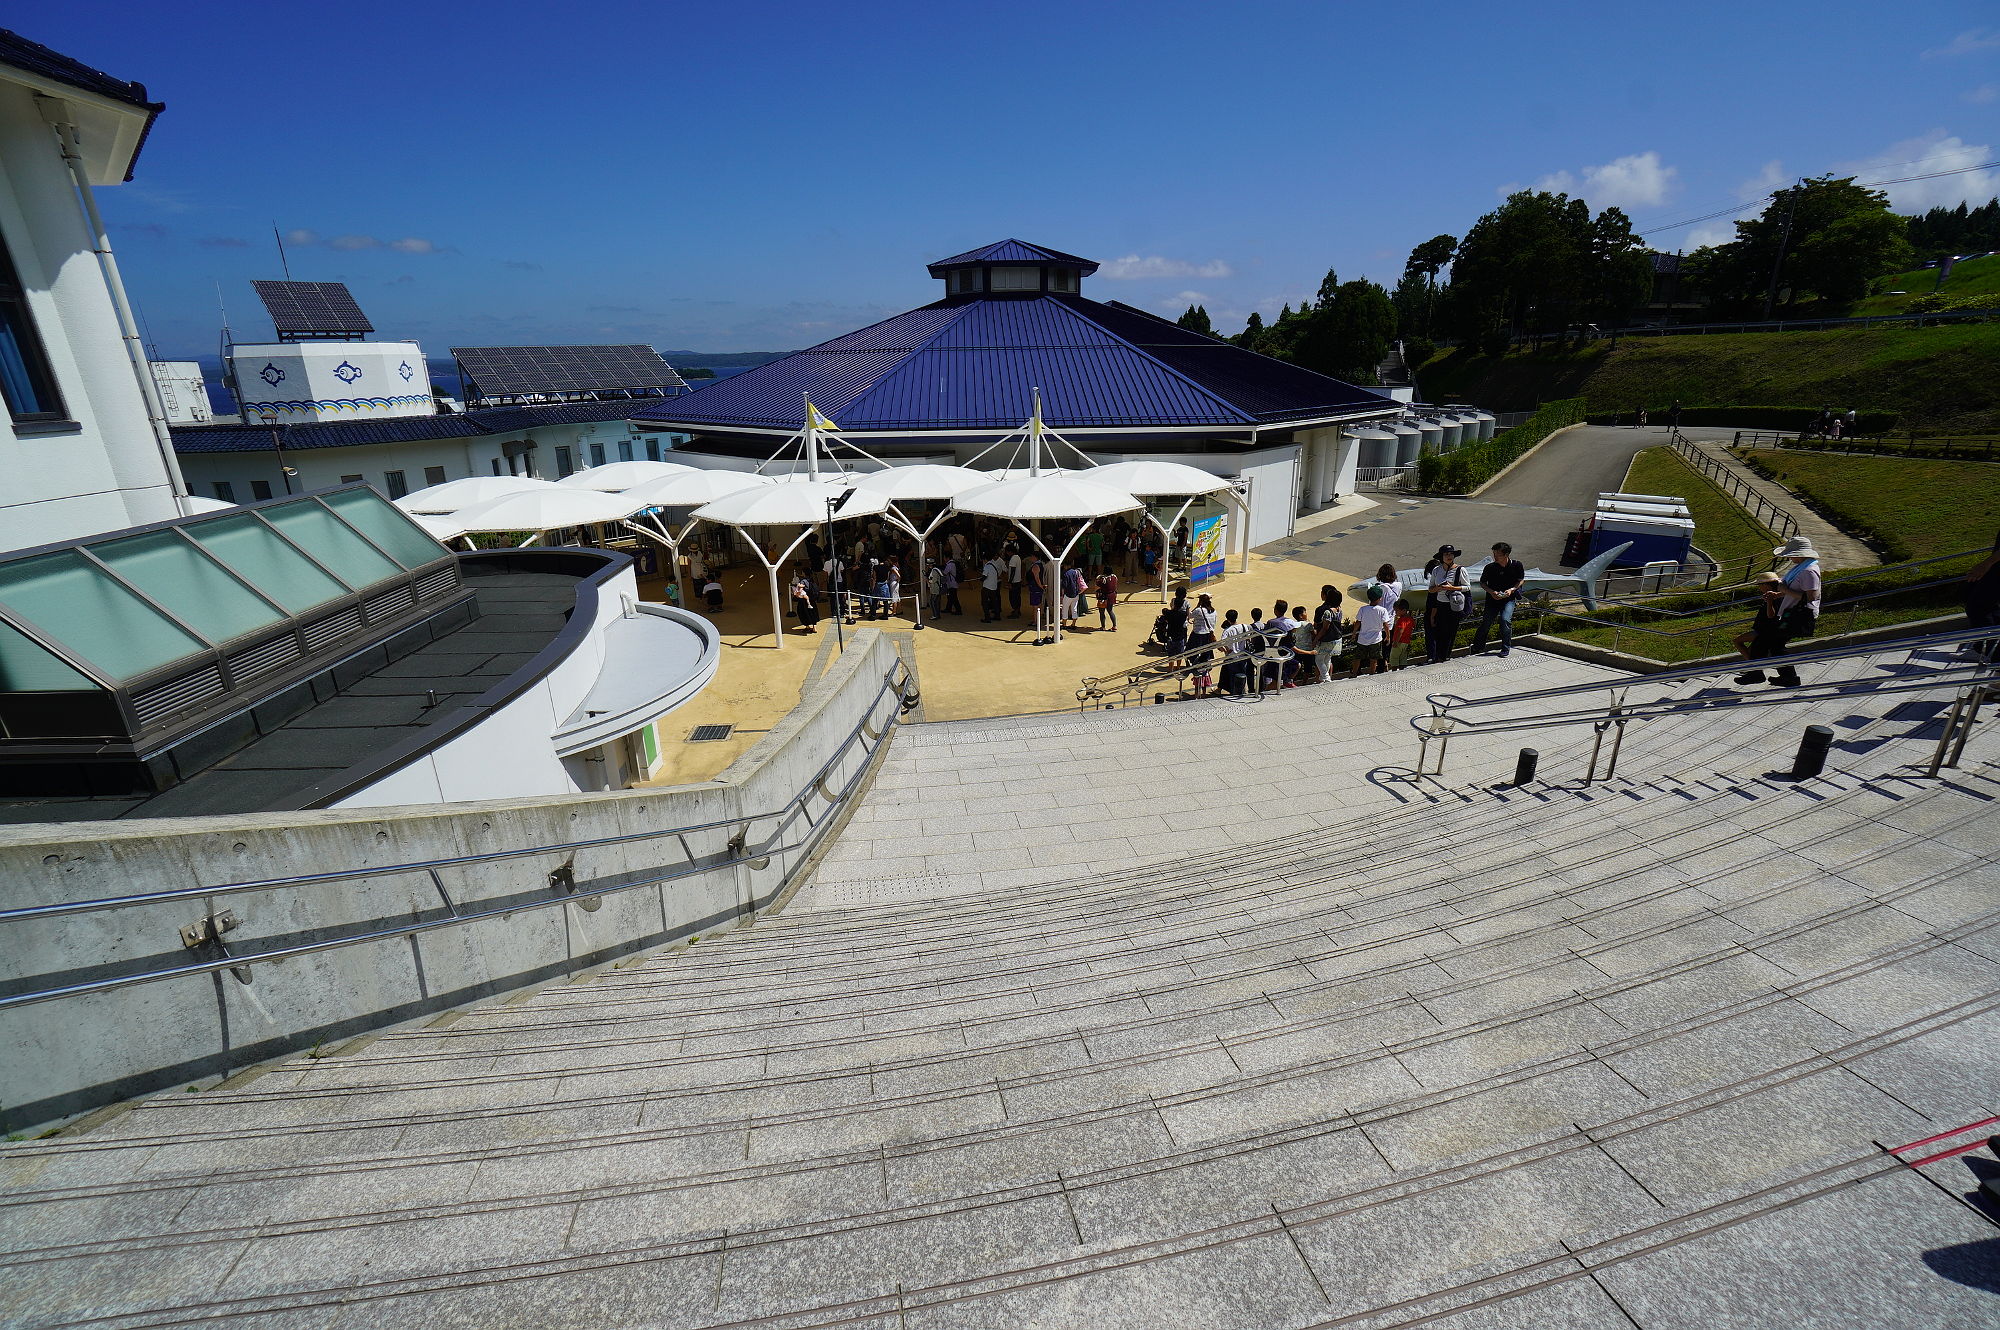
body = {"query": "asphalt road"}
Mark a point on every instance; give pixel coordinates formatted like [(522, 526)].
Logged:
[(1533, 508)]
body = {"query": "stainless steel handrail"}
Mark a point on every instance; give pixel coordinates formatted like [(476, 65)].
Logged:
[(1445, 719), (739, 852)]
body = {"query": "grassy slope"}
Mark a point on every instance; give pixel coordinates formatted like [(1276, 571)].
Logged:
[(1722, 529), (1942, 377), (1974, 277), (1931, 507)]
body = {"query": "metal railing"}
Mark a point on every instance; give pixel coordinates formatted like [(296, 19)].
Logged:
[(1974, 676), (561, 883), (1714, 471), (1152, 676), (1798, 325), (1852, 606), (1944, 447)]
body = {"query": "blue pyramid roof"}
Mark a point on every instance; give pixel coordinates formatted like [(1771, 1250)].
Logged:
[(970, 362), (1012, 251)]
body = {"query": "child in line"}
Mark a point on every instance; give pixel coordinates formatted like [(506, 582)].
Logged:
[(711, 591), (1402, 632), (1371, 631)]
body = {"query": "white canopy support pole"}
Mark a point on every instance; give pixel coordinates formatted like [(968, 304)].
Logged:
[(771, 573), (901, 521), (1052, 594), (1235, 498), (1167, 539), (657, 529)]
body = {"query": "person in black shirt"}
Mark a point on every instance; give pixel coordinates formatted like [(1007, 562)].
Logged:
[(1502, 581)]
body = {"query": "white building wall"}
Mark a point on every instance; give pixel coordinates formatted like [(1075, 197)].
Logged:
[(291, 383), (107, 471), (458, 458)]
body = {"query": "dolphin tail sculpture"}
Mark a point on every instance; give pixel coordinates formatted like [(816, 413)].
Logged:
[(1591, 574)]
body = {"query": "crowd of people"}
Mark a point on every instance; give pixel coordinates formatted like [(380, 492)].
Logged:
[(870, 570), (1297, 644)]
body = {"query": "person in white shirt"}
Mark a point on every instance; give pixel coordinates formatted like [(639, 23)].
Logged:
[(1447, 600), (1235, 658), (1392, 587), (1013, 581), (1798, 606), (990, 574), (1371, 623)]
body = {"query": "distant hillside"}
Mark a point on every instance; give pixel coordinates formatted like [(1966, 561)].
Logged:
[(723, 359), (1937, 377)]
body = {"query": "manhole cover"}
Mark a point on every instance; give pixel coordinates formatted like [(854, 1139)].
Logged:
[(702, 734)]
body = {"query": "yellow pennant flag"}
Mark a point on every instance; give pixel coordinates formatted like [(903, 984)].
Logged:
[(814, 420)]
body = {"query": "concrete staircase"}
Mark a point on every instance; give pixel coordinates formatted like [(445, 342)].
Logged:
[(1360, 1053)]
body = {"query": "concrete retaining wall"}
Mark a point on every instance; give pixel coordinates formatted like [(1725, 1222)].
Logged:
[(65, 1056)]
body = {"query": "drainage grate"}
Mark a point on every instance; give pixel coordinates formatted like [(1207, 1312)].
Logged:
[(702, 734)]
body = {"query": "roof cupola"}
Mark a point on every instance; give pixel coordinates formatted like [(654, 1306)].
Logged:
[(1012, 267)]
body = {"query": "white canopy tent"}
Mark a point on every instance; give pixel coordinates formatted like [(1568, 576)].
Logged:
[(444, 526), (689, 488), (1172, 480), (804, 498), (915, 484), (623, 475), (453, 495), (543, 510), (1045, 494)]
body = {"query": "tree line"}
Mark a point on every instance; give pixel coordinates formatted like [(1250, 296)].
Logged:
[(1345, 331), (1543, 264)]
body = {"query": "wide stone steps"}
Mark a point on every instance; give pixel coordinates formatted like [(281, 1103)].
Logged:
[(1584, 1066)]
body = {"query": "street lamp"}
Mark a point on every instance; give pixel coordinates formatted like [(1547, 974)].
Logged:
[(836, 578)]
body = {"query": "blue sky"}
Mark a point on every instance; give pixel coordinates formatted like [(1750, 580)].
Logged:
[(762, 176)]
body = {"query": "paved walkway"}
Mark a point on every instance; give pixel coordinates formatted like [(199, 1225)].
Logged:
[(1837, 549)]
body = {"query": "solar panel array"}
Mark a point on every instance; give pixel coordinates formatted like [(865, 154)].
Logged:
[(527, 371), (315, 309)]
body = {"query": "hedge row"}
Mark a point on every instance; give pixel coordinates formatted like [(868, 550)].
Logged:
[(1753, 417), (1940, 302), (1472, 465)]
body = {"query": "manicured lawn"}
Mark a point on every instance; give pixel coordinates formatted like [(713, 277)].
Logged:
[(1916, 508), (1935, 377), (1974, 277), (1722, 529)]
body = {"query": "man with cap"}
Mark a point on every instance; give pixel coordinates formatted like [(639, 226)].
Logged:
[(1446, 604)]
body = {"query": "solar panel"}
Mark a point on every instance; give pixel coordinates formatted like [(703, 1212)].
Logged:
[(312, 308), (527, 371)]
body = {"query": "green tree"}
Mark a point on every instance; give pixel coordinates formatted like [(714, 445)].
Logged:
[(1349, 335), (1196, 320), (1329, 290), (1253, 332), (1826, 239), (1416, 294)]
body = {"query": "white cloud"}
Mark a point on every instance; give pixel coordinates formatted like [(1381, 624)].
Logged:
[(413, 245), (301, 237), (353, 242), (1180, 300), (1970, 42), (1634, 181), (1928, 153), (1765, 181), (1712, 233), (1983, 95), (1152, 265)]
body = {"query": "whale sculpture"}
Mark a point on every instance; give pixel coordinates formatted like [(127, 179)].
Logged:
[(1583, 582)]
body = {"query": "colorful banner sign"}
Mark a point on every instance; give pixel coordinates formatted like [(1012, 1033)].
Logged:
[(1207, 551)]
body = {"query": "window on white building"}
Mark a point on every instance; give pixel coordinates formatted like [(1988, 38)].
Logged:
[(26, 381), (350, 480), (433, 475), (597, 454), (565, 461), (1062, 279), (396, 484), (624, 450), (260, 489), (652, 450), (225, 491), (964, 281)]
